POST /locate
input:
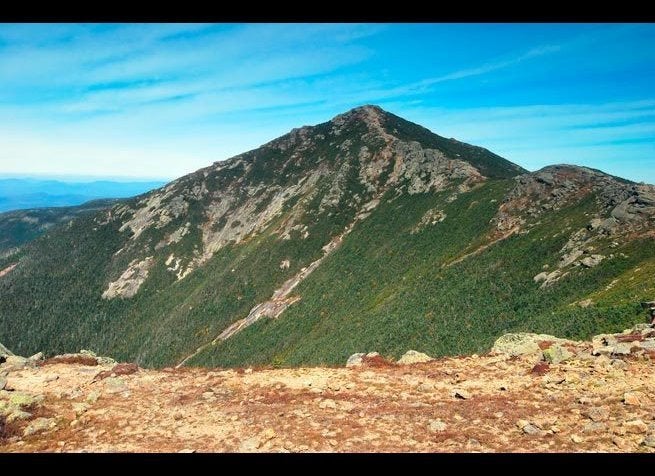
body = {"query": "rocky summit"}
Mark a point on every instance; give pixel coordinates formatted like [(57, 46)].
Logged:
[(593, 397), (366, 233)]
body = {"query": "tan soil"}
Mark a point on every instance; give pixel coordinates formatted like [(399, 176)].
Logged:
[(380, 409)]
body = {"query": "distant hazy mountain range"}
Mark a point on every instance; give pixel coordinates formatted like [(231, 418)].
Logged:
[(21, 193)]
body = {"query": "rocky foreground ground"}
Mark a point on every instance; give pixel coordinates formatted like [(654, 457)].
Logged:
[(532, 393)]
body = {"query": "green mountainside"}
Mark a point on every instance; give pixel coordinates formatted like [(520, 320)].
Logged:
[(364, 233), (20, 226)]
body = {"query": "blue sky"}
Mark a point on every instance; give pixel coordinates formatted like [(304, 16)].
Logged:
[(159, 101)]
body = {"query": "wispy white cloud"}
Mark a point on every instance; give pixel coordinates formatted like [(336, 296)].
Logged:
[(109, 98)]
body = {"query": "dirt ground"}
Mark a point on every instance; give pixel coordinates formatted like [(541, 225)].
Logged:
[(466, 404)]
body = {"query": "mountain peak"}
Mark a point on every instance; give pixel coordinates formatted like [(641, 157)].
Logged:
[(369, 114)]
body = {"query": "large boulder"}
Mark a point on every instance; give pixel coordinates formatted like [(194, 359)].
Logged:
[(521, 343), (542, 346), (414, 357), (355, 360)]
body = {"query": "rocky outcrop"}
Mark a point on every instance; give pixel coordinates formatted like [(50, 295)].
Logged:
[(625, 210), (237, 200), (128, 284), (430, 218), (637, 342), (524, 343)]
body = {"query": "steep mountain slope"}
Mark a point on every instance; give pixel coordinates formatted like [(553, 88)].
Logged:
[(366, 232), (20, 226)]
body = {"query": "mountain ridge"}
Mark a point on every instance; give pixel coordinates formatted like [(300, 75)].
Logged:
[(414, 234)]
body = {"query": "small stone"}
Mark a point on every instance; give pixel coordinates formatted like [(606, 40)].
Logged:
[(248, 371), (269, 434), (521, 423), (436, 426), (332, 442), (50, 378), (576, 439), (186, 450), (425, 387), (18, 415), (473, 443), (250, 445), (619, 364), (328, 403), (93, 396), (649, 441), (635, 398), (556, 354), (621, 443), (80, 408), (39, 425), (36, 357), (598, 414), (544, 421), (637, 427), (461, 394), (595, 427), (531, 429)]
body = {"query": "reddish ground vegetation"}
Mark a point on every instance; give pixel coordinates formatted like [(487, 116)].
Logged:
[(377, 361), (541, 368), (72, 359), (118, 369)]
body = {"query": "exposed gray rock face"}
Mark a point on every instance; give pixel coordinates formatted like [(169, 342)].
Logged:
[(591, 261), (430, 218), (623, 208), (128, 284), (238, 201)]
